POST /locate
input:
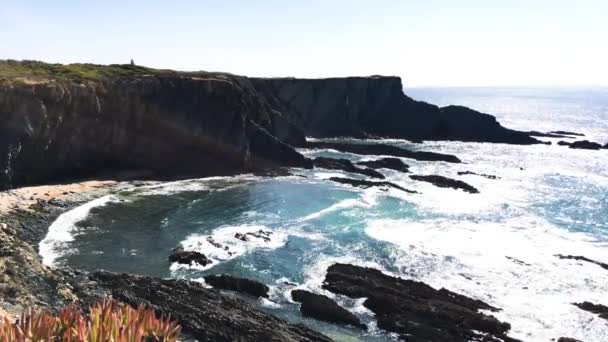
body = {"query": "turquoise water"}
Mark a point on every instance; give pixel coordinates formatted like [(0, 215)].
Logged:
[(549, 200)]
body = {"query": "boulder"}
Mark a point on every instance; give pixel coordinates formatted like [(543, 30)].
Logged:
[(344, 165), (415, 311), (324, 308), (598, 309), (445, 182), (241, 285), (386, 163), (180, 256), (586, 144), (367, 184), (383, 149), (564, 143)]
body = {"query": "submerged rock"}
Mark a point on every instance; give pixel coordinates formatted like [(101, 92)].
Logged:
[(241, 285), (386, 163), (582, 258), (445, 182), (586, 144), (598, 309), (564, 143), (567, 133), (204, 314), (344, 165), (383, 149), (180, 256), (462, 173), (414, 310), (324, 308), (367, 184)]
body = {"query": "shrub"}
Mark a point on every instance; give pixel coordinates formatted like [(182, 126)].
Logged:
[(107, 321)]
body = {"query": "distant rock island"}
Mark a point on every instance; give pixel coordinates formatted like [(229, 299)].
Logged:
[(82, 120)]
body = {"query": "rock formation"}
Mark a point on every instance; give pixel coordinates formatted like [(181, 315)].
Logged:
[(324, 308), (367, 184), (386, 163), (180, 256), (585, 144), (345, 165), (445, 182)]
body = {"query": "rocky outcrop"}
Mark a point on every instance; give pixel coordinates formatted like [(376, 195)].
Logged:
[(368, 184), (445, 182), (582, 258), (567, 133), (585, 144), (462, 173), (345, 165), (161, 126), (383, 149), (180, 256), (204, 314), (241, 285), (324, 308), (377, 106), (568, 339), (598, 309), (414, 310), (386, 163)]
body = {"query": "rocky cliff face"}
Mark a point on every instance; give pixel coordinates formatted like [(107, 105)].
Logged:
[(377, 106), (158, 126)]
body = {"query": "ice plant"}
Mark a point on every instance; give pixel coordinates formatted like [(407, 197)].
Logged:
[(108, 321)]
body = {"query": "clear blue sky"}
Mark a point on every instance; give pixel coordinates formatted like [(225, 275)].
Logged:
[(430, 42)]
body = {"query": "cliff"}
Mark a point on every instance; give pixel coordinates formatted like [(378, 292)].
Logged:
[(377, 106), (160, 125)]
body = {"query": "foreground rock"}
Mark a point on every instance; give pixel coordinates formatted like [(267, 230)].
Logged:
[(386, 163), (382, 149), (445, 182), (204, 314), (324, 308), (585, 144), (180, 256), (462, 173), (582, 258), (598, 309), (367, 184), (345, 165), (241, 285), (377, 107), (414, 310)]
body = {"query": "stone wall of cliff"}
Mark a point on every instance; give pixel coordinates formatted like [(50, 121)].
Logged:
[(159, 126), (377, 106)]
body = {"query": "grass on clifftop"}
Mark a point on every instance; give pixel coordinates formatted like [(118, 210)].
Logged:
[(35, 71)]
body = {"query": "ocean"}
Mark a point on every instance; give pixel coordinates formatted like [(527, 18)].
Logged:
[(498, 246)]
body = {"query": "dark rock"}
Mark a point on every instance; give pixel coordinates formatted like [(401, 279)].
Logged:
[(548, 135), (204, 314), (444, 182), (241, 285), (324, 308), (598, 309), (344, 165), (386, 163), (383, 149), (241, 236), (582, 258), (180, 256), (367, 184), (462, 173), (213, 242), (567, 133), (376, 106), (568, 339), (585, 144), (564, 143), (414, 310), (261, 234)]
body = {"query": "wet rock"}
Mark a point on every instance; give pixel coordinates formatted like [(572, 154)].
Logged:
[(564, 143), (445, 182), (586, 144), (598, 309), (414, 310), (241, 285), (383, 149), (462, 173), (367, 184), (180, 256), (214, 243), (582, 258), (548, 135), (345, 165), (261, 234), (241, 236), (568, 339), (324, 308), (386, 163), (204, 314), (567, 133)]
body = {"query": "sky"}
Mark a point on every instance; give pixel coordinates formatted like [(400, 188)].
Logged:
[(426, 42)]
